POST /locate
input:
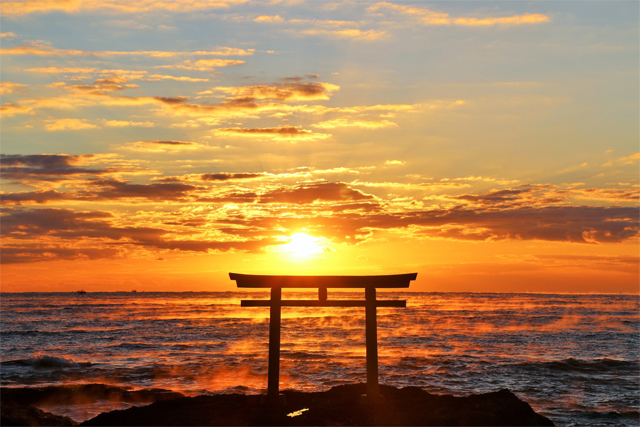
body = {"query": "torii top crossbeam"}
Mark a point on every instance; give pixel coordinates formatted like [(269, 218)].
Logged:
[(322, 283)]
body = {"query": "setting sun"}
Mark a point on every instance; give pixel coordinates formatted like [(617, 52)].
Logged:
[(302, 245)]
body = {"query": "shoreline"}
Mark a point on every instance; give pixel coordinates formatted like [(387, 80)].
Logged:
[(341, 405)]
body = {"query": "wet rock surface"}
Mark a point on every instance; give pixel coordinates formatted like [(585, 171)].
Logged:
[(15, 414), (19, 405), (342, 405), (83, 393)]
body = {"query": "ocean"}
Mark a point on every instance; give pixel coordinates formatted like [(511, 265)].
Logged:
[(573, 358)]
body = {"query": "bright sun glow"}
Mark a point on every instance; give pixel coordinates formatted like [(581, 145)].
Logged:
[(302, 245)]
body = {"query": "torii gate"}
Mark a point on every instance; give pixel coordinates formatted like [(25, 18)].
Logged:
[(369, 283)]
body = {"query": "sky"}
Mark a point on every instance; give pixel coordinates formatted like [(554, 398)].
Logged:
[(159, 145)]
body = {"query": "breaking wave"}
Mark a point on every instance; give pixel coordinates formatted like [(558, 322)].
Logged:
[(40, 360)]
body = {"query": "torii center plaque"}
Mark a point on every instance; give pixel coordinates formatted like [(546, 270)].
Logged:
[(322, 283)]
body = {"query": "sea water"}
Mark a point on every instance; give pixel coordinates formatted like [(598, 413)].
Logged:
[(573, 358)]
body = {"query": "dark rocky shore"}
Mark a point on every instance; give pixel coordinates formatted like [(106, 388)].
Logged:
[(342, 405)]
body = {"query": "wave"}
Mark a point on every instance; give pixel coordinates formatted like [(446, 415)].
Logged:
[(577, 365), (46, 361), (607, 415)]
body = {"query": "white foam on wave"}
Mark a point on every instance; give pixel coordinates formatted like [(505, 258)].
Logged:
[(41, 360)]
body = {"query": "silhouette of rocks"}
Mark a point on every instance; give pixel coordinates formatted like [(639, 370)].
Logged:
[(83, 393), (14, 414), (19, 405), (341, 405)]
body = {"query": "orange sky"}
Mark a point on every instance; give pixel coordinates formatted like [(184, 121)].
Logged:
[(488, 146)]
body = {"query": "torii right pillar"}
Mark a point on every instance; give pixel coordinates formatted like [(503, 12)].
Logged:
[(372, 342)]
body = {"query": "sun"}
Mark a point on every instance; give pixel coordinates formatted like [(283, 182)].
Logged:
[(302, 245)]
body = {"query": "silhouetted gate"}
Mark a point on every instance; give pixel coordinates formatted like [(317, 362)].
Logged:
[(369, 283)]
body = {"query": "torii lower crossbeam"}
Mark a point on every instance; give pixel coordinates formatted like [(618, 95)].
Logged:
[(322, 283)]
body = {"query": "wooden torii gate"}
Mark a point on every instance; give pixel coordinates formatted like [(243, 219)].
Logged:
[(322, 283)]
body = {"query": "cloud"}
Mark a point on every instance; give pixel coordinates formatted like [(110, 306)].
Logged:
[(39, 196), (527, 18), (39, 49), (346, 122), (205, 64), (20, 8), (63, 70), (112, 189), (9, 34), (226, 176), (578, 224), (269, 19), (429, 17), (161, 146), (351, 33), (158, 77), (127, 123), (394, 163), (48, 167), (627, 160), (258, 215), (323, 22), (280, 133), (10, 110), (315, 192), (295, 91), (609, 194), (536, 195), (8, 87), (53, 234), (69, 124)]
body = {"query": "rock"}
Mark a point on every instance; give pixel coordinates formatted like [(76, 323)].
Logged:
[(19, 403), (14, 414), (83, 393), (338, 406)]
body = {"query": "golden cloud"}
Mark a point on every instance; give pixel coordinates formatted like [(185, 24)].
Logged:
[(19, 8), (269, 19), (58, 70), (627, 160), (281, 133), (323, 22), (39, 49), (296, 91), (158, 77), (127, 123), (8, 87), (429, 17), (161, 146), (69, 124), (10, 110), (205, 64), (350, 33), (527, 18), (345, 122)]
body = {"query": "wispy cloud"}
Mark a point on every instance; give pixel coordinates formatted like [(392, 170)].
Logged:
[(347, 33), (8, 87), (430, 17), (18, 8), (69, 124), (39, 49), (293, 91), (204, 64), (347, 122), (61, 70), (160, 146), (280, 133)]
